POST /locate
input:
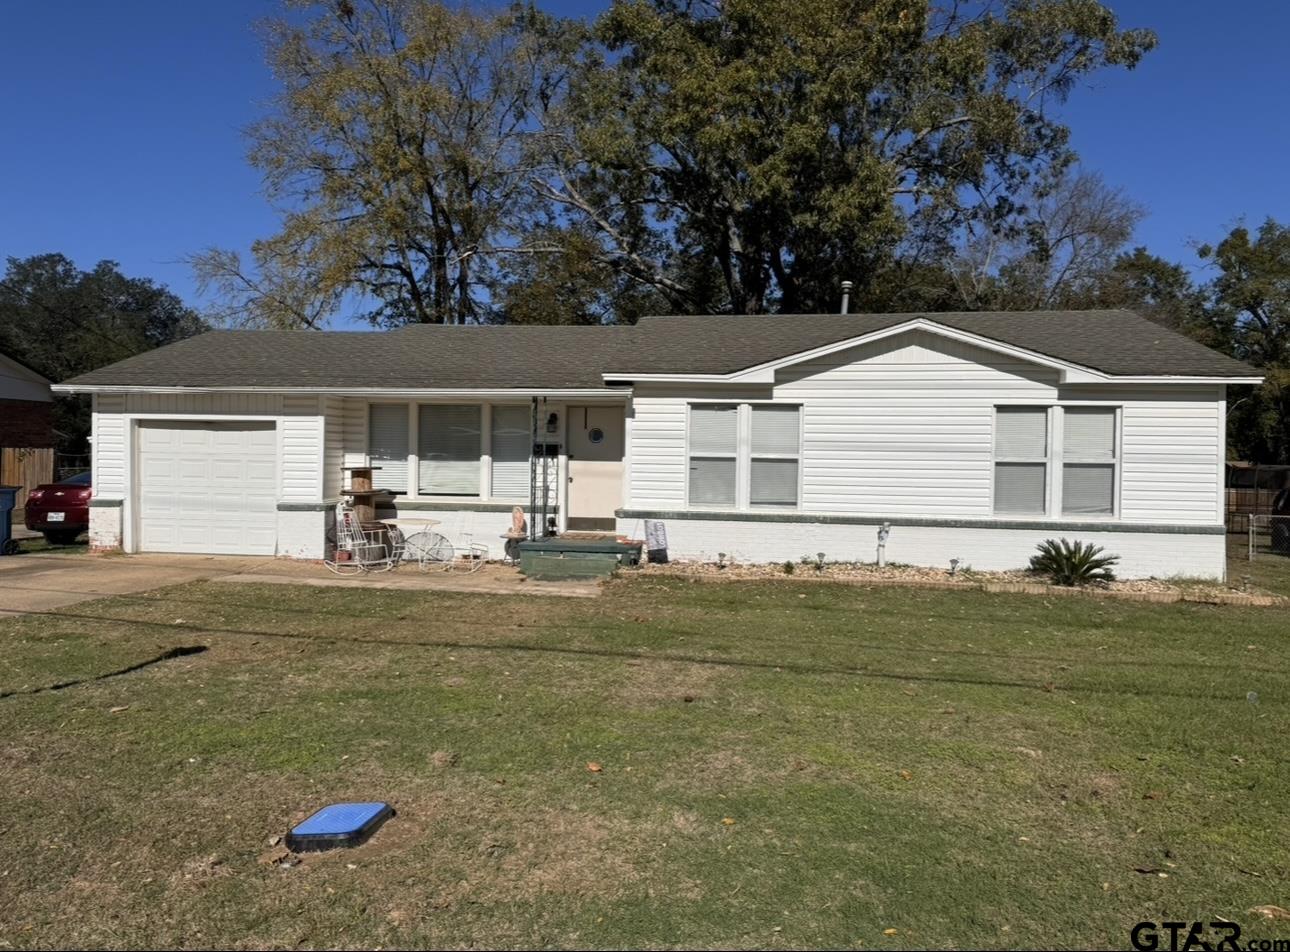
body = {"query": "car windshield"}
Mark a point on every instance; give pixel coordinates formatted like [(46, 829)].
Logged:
[(80, 479)]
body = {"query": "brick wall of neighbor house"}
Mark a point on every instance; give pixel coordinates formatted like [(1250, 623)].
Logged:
[(26, 423)]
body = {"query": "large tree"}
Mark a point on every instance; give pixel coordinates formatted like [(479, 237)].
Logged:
[(394, 152), (785, 145), (436, 163), (1250, 317), (1056, 249), (62, 321)]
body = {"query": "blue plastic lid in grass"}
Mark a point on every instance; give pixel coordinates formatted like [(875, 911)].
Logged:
[(340, 824)]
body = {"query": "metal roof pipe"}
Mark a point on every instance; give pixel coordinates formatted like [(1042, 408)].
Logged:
[(846, 296)]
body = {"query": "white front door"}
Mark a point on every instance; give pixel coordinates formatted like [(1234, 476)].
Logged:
[(595, 445), (207, 486)]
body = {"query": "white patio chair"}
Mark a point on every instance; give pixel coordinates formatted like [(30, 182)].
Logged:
[(466, 552), (366, 550)]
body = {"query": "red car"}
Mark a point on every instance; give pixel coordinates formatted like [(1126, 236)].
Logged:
[(60, 511)]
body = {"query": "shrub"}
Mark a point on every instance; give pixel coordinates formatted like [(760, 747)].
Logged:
[(1073, 563), (789, 567)]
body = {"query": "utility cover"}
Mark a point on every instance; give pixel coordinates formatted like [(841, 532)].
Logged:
[(339, 824)]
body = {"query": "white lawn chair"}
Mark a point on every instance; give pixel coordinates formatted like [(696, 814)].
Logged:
[(358, 550), (466, 552)]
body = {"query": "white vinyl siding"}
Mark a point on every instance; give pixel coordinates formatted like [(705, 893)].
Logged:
[(301, 438), (775, 456), (108, 435), (387, 445), (1088, 461), (511, 438), (1020, 460), (448, 446), (904, 428), (714, 446), (1171, 455)]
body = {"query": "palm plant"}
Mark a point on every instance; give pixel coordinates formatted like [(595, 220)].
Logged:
[(1073, 563)]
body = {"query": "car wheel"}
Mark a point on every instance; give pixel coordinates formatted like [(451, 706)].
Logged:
[(61, 536)]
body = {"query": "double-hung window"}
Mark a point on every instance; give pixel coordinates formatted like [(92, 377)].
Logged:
[(512, 435), (714, 455), (448, 449), (775, 456), (1089, 456), (387, 445), (1079, 460), (744, 455), (1021, 449)]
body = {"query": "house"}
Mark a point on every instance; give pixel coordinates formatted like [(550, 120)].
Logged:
[(973, 435), (26, 427)]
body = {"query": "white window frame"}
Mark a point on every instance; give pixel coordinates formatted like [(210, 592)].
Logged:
[(735, 456), (1050, 441), (743, 455), (412, 490), (1117, 454), (1056, 458)]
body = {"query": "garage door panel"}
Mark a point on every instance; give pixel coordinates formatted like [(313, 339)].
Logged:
[(208, 487)]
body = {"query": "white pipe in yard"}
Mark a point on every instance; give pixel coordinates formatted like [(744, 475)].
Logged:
[(884, 530)]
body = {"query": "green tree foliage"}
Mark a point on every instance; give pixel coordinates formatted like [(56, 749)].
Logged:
[(436, 163), (1250, 318), (784, 144), (62, 321), (395, 152)]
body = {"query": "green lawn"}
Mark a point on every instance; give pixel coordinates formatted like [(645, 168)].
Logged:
[(782, 765)]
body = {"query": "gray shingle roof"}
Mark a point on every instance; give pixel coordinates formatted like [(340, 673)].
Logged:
[(1119, 343)]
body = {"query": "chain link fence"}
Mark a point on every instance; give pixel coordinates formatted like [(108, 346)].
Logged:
[(1268, 536)]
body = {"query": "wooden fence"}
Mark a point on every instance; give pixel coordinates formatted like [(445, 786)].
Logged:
[(26, 468)]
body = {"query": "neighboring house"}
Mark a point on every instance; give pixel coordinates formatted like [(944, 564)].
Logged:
[(26, 427), (767, 438)]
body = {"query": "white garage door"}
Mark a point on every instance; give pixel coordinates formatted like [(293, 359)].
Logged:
[(207, 486)]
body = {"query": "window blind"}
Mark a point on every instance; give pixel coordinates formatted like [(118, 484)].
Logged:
[(775, 430), (448, 447), (1088, 454), (1088, 489), (1020, 433), (714, 428), (387, 445), (1088, 433), (773, 482), (1019, 488), (512, 434), (712, 482)]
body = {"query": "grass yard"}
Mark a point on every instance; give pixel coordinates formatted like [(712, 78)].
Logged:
[(781, 765)]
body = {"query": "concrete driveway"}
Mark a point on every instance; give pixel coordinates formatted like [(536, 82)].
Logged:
[(41, 582)]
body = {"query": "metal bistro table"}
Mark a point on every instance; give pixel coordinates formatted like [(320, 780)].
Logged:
[(412, 539)]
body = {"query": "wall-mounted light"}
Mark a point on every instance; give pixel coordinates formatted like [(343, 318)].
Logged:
[(552, 422)]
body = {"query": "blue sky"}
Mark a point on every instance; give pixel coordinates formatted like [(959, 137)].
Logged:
[(122, 126)]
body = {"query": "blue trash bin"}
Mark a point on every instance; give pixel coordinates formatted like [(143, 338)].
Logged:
[(8, 496)]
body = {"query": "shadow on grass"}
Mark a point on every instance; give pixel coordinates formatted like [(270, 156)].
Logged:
[(167, 594), (621, 654), (179, 652)]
